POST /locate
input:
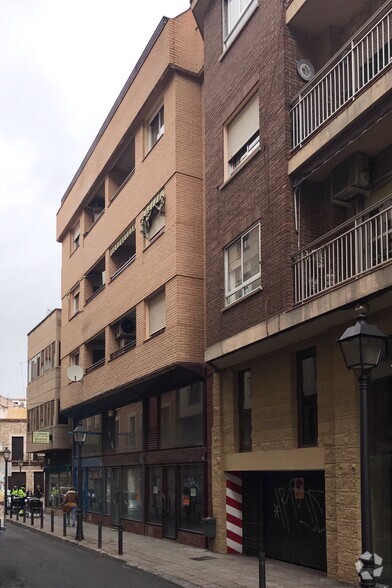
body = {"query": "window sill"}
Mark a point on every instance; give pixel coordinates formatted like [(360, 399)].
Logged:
[(239, 168), (245, 297), (95, 293), (95, 366), (153, 335), (236, 34), (93, 224), (122, 268), (74, 315), (122, 351), (153, 146), (74, 250)]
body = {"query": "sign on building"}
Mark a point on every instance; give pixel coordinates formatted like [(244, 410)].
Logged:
[(41, 437)]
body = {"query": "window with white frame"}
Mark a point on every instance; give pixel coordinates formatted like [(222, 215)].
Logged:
[(242, 265), (156, 127), (153, 216), (243, 134), (156, 313), (235, 15), (75, 301), (75, 237)]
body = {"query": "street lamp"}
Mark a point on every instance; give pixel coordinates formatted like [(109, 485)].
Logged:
[(20, 464), (79, 436), (7, 456), (361, 346)]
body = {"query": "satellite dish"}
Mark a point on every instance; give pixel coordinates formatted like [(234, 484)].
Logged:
[(305, 69), (75, 373)]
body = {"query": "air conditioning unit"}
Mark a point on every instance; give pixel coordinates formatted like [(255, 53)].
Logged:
[(126, 329), (349, 179)]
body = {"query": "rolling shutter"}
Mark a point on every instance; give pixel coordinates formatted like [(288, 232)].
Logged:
[(243, 127)]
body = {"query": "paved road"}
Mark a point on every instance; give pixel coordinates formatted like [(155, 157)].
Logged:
[(32, 560)]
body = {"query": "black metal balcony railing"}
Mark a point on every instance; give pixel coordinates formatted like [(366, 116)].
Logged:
[(352, 249), (346, 74)]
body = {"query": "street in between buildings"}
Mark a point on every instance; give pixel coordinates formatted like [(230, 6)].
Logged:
[(29, 560)]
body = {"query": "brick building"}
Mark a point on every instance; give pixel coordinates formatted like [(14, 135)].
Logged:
[(47, 430), (298, 167), (131, 229)]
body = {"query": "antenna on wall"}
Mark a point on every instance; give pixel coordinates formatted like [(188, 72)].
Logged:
[(75, 373)]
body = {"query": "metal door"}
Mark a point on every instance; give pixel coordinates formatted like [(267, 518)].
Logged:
[(116, 496), (169, 500), (295, 518)]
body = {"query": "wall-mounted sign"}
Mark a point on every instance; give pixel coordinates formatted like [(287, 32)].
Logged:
[(41, 437)]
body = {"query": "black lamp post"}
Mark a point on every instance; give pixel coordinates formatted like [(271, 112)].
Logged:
[(20, 464), (361, 346), (79, 436), (7, 456)]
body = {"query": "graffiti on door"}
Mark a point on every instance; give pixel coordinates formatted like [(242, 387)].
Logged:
[(294, 513)]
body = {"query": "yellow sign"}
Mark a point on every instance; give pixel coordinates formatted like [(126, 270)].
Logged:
[(41, 437)]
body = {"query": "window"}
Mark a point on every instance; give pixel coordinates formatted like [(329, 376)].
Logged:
[(132, 497), (181, 417), (95, 280), (245, 410), (130, 427), (242, 266), (154, 495), (75, 300), (74, 358), (156, 313), (307, 397), (95, 206), (95, 352), (123, 251), (95, 490), (17, 448), (192, 498), (236, 14), (93, 443), (153, 217), (75, 237), (243, 134), (122, 169), (156, 128)]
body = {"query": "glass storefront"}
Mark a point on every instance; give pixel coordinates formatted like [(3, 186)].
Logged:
[(191, 498), (154, 495), (95, 490), (58, 483), (132, 493), (93, 443)]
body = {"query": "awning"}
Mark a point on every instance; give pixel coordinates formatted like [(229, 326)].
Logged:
[(124, 236), (157, 204)]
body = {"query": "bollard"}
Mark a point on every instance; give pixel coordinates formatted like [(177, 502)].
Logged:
[(42, 518), (262, 579), (120, 540), (64, 524), (32, 518), (17, 515), (99, 534), (11, 512), (52, 521), (24, 515)]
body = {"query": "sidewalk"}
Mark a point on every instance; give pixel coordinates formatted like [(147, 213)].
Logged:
[(186, 566)]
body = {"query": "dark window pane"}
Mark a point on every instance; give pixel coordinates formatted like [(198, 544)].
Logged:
[(17, 448), (307, 397), (131, 495), (154, 497), (191, 498), (93, 443), (129, 427), (181, 417), (95, 489), (245, 410)]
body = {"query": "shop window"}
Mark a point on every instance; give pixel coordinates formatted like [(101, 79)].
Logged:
[(307, 397), (132, 496), (181, 417), (95, 490), (245, 410), (93, 443), (191, 498), (154, 495), (130, 426), (108, 491)]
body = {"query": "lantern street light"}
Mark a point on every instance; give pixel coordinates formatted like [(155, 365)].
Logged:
[(79, 436), (361, 346), (7, 457)]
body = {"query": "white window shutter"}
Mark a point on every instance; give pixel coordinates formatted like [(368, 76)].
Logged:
[(243, 127), (157, 317)]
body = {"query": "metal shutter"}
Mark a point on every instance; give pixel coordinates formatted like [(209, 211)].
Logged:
[(241, 129), (156, 320)]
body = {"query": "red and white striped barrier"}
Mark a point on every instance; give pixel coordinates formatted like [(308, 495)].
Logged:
[(234, 512)]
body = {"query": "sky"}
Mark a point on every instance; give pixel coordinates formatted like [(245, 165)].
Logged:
[(62, 65)]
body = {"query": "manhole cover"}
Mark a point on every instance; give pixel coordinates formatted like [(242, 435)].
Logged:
[(202, 558)]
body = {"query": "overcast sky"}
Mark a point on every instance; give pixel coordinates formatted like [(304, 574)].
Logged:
[(62, 66)]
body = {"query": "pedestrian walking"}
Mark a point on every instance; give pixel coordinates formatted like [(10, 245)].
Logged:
[(69, 505)]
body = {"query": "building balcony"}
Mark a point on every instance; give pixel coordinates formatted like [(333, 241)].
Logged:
[(360, 246), (350, 84), (313, 16)]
